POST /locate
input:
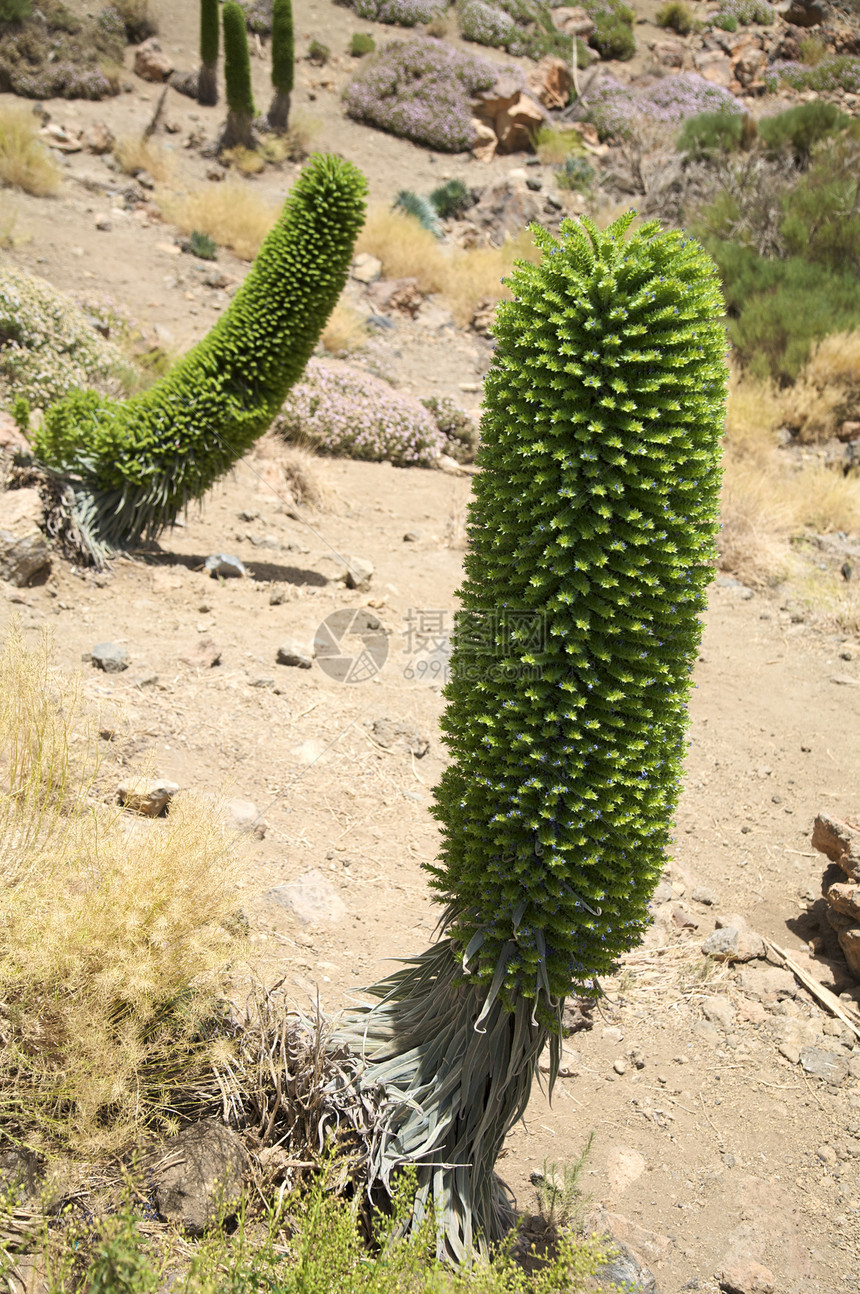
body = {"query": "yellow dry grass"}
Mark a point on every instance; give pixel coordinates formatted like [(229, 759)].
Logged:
[(228, 211), (465, 278), (136, 154), (554, 145), (25, 162), (344, 332), (828, 389), (114, 938)]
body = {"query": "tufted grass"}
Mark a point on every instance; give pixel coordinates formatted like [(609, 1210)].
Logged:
[(25, 162)]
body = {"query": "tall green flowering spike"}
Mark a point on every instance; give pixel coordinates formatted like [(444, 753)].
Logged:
[(283, 56), (135, 465), (591, 544), (210, 33), (237, 75)]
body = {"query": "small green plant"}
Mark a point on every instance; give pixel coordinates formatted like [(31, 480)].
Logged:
[(576, 173), (560, 1201), (21, 414), (799, 129), (677, 15), (725, 22), (362, 43), (421, 209), (318, 52), (237, 74), (15, 10), (711, 133), (613, 35), (283, 61), (451, 199), (812, 50), (202, 246), (554, 144), (210, 40)]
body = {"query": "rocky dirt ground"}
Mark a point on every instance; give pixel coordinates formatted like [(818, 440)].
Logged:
[(725, 1099)]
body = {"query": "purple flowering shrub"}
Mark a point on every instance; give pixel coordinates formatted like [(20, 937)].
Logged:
[(745, 12), (404, 13), (485, 24), (420, 89), (55, 55), (613, 107), (838, 71), (519, 26), (341, 411)]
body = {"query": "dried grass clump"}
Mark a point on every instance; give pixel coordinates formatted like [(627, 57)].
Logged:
[(828, 389), (114, 940), (344, 332), (227, 211), (292, 471), (464, 277), (25, 162), (135, 154)]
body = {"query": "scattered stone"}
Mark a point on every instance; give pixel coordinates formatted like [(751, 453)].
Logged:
[(398, 734), (624, 1166), (366, 268), (225, 566), (203, 655), (202, 1182), (412, 537), (551, 80), (682, 918), (573, 21), (312, 898), (292, 653), (246, 817), (767, 982), (151, 63), (733, 943), (98, 138), (624, 1271), (826, 1065), (110, 657), (839, 842), (103, 223), (719, 1010), (701, 894), (505, 207), (400, 295), (619, 1066), (359, 573), (849, 431), (148, 797), (668, 52), (746, 1278), (844, 680), (24, 551)]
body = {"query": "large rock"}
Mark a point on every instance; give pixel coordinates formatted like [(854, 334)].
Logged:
[(506, 206), (802, 13), (401, 295), (746, 1278), (839, 842), (552, 81), (202, 1182), (826, 1065), (715, 66), (668, 52), (517, 124), (573, 21), (849, 942), (151, 63), (733, 941), (24, 551)]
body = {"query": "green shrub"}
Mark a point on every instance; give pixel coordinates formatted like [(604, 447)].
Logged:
[(140, 463), (422, 210), (677, 15), (139, 23), (318, 52), (725, 22), (591, 532), (15, 10), (800, 128), (451, 199), (362, 43), (613, 35), (821, 220), (576, 173), (711, 132), (202, 245), (522, 27), (210, 39)]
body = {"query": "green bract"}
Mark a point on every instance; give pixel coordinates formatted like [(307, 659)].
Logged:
[(137, 464), (591, 544)]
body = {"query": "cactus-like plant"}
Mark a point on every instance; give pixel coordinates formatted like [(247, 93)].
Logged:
[(283, 59), (210, 34), (591, 544), (134, 465), (237, 76)]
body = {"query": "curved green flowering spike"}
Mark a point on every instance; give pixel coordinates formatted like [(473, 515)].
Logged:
[(591, 544), (139, 463)]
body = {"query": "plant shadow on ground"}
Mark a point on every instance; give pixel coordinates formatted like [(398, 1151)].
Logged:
[(272, 572)]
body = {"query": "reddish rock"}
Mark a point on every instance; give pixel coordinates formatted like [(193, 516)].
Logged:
[(849, 431), (746, 1278), (573, 21), (484, 140), (849, 942), (552, 81), (845, 898), (10, 436), (839, 842), (668, 53), (396, 294), (150, 61), (715, 66), (516, 125), (97, 138)]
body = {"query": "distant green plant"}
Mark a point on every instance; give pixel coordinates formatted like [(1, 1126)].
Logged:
[(725, 22), (318, 52), (136, 465), (202, 245), (576, 173), (451, 199), (362, 43), (560, 1201), (835, 72), (800, 128), (21, 414), (237, 74), (677, 15), (813, 49), (283, 64), (522, 27), (15, 10), (613, 34), (210, 39), (710, 133), (422, 210)]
